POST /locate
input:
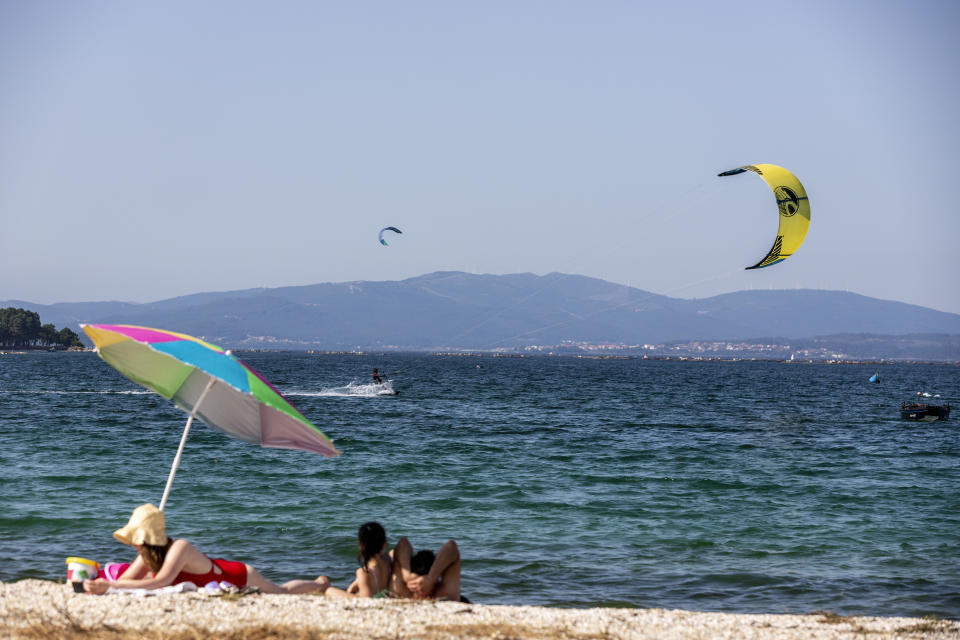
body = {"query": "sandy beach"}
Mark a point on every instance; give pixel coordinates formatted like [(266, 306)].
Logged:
[(45, 609)]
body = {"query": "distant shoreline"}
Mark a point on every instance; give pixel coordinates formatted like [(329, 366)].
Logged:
[(25, 350), (579, 356), (582, 356)]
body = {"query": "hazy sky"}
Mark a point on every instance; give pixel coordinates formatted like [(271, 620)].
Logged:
[(154, 149)]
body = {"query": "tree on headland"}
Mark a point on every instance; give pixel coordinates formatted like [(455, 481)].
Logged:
[(21, 329), (66, 337)]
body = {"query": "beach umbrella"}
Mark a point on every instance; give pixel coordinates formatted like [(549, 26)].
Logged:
[(208, 383)]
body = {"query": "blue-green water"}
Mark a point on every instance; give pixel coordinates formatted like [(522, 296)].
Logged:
[(742, 487)]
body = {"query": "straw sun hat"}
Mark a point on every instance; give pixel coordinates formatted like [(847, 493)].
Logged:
[(146, 526)]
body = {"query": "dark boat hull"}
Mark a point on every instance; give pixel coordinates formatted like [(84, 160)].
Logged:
[(924, 412)]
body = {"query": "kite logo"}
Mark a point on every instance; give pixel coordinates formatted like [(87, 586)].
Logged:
[(787, 200), (774, 255)]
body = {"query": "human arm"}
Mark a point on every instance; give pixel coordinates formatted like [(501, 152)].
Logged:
[(365, 584), (401, 555), (137, 569)]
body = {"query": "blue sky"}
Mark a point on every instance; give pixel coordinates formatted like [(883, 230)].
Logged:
[(149, 150)]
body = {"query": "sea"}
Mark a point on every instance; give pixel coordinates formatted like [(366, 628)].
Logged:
[(746, 487)]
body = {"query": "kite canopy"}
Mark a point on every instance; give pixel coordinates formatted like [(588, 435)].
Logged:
[(794, 210), (380, 235)]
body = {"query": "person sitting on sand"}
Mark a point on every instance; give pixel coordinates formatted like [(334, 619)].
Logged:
[(425, 576), (373, 577), (162, 561)]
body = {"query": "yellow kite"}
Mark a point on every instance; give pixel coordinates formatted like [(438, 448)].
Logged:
[(794, 210)]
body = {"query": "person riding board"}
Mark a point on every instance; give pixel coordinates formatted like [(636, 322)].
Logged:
[(377, 379)]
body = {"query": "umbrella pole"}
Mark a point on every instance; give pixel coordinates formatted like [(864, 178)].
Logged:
[(183, 441)]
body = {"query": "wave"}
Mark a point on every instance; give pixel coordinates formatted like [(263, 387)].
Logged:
[(351, 389), (76, 393)]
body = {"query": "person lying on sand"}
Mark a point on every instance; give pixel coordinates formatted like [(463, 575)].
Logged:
[(401, 574), (162, 561), (425, 576)]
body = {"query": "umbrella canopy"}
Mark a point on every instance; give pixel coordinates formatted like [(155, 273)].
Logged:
[(209, 383)]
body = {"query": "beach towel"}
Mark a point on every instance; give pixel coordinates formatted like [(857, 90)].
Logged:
[(183, 587)]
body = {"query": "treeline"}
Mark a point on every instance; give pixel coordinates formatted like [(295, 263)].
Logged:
[(21, 329)]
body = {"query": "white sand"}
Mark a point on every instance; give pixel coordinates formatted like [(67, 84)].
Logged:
[(56, 611)]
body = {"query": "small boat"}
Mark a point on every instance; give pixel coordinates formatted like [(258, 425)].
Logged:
[(924, 412), (875, 377)]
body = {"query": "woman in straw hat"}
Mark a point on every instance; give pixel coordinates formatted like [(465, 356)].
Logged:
[(162, 561)]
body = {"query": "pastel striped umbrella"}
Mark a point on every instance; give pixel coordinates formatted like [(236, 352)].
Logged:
[(208, 383)]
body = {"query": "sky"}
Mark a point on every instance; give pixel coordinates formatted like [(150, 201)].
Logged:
[(156, 149)]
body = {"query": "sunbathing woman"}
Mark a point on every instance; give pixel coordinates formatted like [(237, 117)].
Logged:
[(161, 562), (373, 577)]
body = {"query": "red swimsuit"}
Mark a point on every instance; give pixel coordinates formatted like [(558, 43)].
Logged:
[(222, 570)]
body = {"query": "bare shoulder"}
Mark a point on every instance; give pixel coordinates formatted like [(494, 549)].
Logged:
[(183, 548)]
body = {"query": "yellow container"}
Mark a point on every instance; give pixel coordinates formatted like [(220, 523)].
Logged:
[(80, 569)]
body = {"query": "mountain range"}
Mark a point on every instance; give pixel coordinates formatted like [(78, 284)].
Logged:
[(452, 310)]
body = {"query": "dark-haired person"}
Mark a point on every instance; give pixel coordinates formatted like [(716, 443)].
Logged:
[(162, 561), (426, 575), (377, 379), (373, 576)]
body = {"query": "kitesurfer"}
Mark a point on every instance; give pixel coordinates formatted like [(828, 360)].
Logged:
[(377, 379)]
